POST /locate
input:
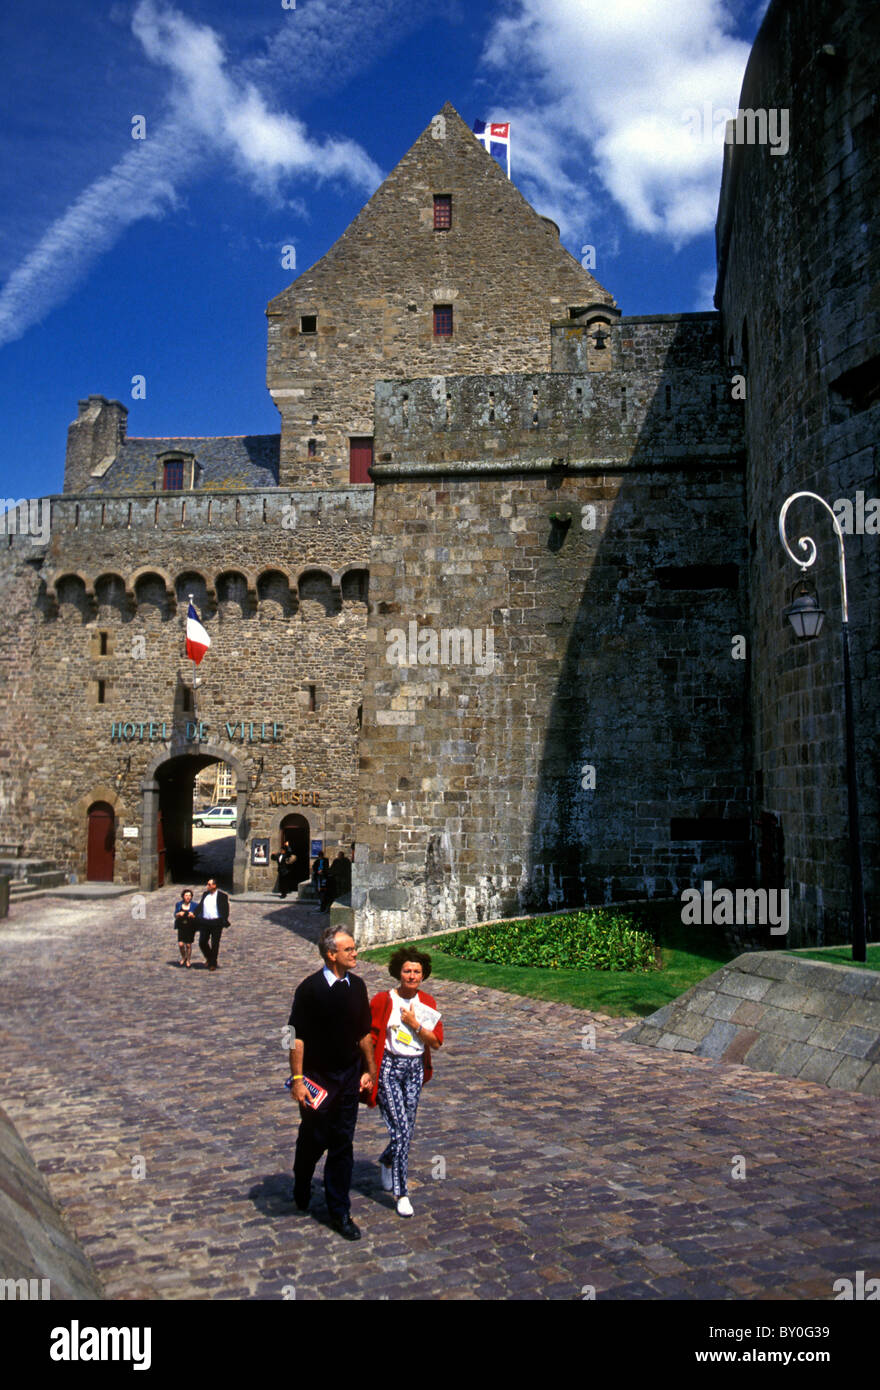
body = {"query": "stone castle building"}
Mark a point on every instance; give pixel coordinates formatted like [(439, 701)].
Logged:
[(501, 602)]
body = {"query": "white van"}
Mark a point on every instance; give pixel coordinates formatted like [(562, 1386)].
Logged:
[(217, 815)]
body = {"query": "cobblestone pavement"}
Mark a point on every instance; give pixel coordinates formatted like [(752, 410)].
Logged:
[(565, 1167)]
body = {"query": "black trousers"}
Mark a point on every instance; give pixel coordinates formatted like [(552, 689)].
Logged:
[(209, 940), (329, 1129)]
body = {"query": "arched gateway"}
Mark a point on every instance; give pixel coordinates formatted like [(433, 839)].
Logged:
[(175, 769)]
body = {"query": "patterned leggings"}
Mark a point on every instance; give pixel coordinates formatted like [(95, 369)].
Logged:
[(400, 1085)]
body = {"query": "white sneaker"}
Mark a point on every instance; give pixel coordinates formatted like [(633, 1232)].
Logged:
[(404, 1206), (387, 1177)]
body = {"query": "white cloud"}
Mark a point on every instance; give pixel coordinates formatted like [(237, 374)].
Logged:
[(231, 112), (704, 297), (608, 89), (140, 185), (215, 113)]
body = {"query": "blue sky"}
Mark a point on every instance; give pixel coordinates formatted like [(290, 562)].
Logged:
[(269, 126)]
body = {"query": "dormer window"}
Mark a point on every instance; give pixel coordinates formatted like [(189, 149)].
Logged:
[(175, 471)]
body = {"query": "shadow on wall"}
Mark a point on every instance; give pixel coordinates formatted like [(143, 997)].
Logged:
[(642, 785)]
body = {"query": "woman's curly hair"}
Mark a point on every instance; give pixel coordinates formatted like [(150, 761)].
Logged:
[(400, 958)]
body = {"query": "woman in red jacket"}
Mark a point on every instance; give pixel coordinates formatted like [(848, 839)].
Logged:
[(406, 1025)]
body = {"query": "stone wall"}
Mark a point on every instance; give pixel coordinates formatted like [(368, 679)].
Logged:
[(500, 265), (36, 1248), (799, 257), (280, 581), (665, 391), (19, 680), (583, 736), (781, 1013)]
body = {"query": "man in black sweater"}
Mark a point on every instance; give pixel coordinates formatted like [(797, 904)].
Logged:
[(332, 1047), (212, 915)]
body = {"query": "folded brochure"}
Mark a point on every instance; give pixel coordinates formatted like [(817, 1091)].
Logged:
[(314, 1093)]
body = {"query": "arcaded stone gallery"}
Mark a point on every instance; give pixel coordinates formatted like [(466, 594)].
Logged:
[(501, 604)]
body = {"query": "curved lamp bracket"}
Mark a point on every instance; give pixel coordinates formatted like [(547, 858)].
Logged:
[(808, 545)]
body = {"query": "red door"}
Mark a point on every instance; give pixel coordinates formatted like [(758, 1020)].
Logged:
[(101, 852), (360, 459), (160, 850)]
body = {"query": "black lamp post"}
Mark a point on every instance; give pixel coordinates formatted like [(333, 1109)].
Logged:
[(806, 618)]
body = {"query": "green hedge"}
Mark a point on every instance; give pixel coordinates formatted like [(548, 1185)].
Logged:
[(590, 940)]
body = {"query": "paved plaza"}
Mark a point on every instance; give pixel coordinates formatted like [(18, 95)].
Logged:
[(152, 1099)]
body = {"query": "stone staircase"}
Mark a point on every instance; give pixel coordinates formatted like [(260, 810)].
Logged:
[(30, 877)]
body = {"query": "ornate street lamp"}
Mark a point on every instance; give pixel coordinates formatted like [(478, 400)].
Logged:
[(804, 613), (806, 618)]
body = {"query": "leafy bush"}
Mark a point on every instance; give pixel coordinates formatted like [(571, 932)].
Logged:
[(594, 939)]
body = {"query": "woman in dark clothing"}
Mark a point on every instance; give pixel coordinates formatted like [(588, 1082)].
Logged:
[(185, 921), (286, 870)]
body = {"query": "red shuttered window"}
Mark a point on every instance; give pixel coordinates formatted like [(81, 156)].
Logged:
[(442, 212), (442, 320), (360, 459)]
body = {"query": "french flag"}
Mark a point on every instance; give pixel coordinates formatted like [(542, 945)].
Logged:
[(197, 639), (494, 136)]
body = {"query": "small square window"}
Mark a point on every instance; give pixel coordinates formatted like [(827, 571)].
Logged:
[(442, 212), (308, 323), (442, 320)]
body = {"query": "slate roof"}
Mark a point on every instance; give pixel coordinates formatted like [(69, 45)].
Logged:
[(225, 462)]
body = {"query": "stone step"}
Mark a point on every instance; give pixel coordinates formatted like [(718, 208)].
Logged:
[(49, 878), (25, 868)]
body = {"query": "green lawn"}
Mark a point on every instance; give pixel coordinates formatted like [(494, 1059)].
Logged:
[(688, 954), (842, 955)]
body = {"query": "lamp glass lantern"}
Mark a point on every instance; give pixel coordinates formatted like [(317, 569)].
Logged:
[(804, 613)]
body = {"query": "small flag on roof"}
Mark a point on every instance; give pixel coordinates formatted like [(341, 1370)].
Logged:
[(197, 639), (494, 136)]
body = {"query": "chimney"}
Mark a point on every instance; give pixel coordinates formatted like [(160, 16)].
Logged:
[(93, 441)]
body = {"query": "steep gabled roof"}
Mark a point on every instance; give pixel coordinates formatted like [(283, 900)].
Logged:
[(510, 226)]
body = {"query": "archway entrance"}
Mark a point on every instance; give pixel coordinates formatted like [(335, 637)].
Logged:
[(295, 830), (101, 845), (192, 855)]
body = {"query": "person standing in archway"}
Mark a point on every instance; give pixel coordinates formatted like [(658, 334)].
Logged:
[(213, 916), (286, 869)]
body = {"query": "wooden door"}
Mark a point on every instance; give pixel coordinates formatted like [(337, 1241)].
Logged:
[(101, 852)]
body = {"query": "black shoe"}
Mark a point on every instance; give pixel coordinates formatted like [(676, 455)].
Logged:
[(346, 1227), (300, 1205)]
